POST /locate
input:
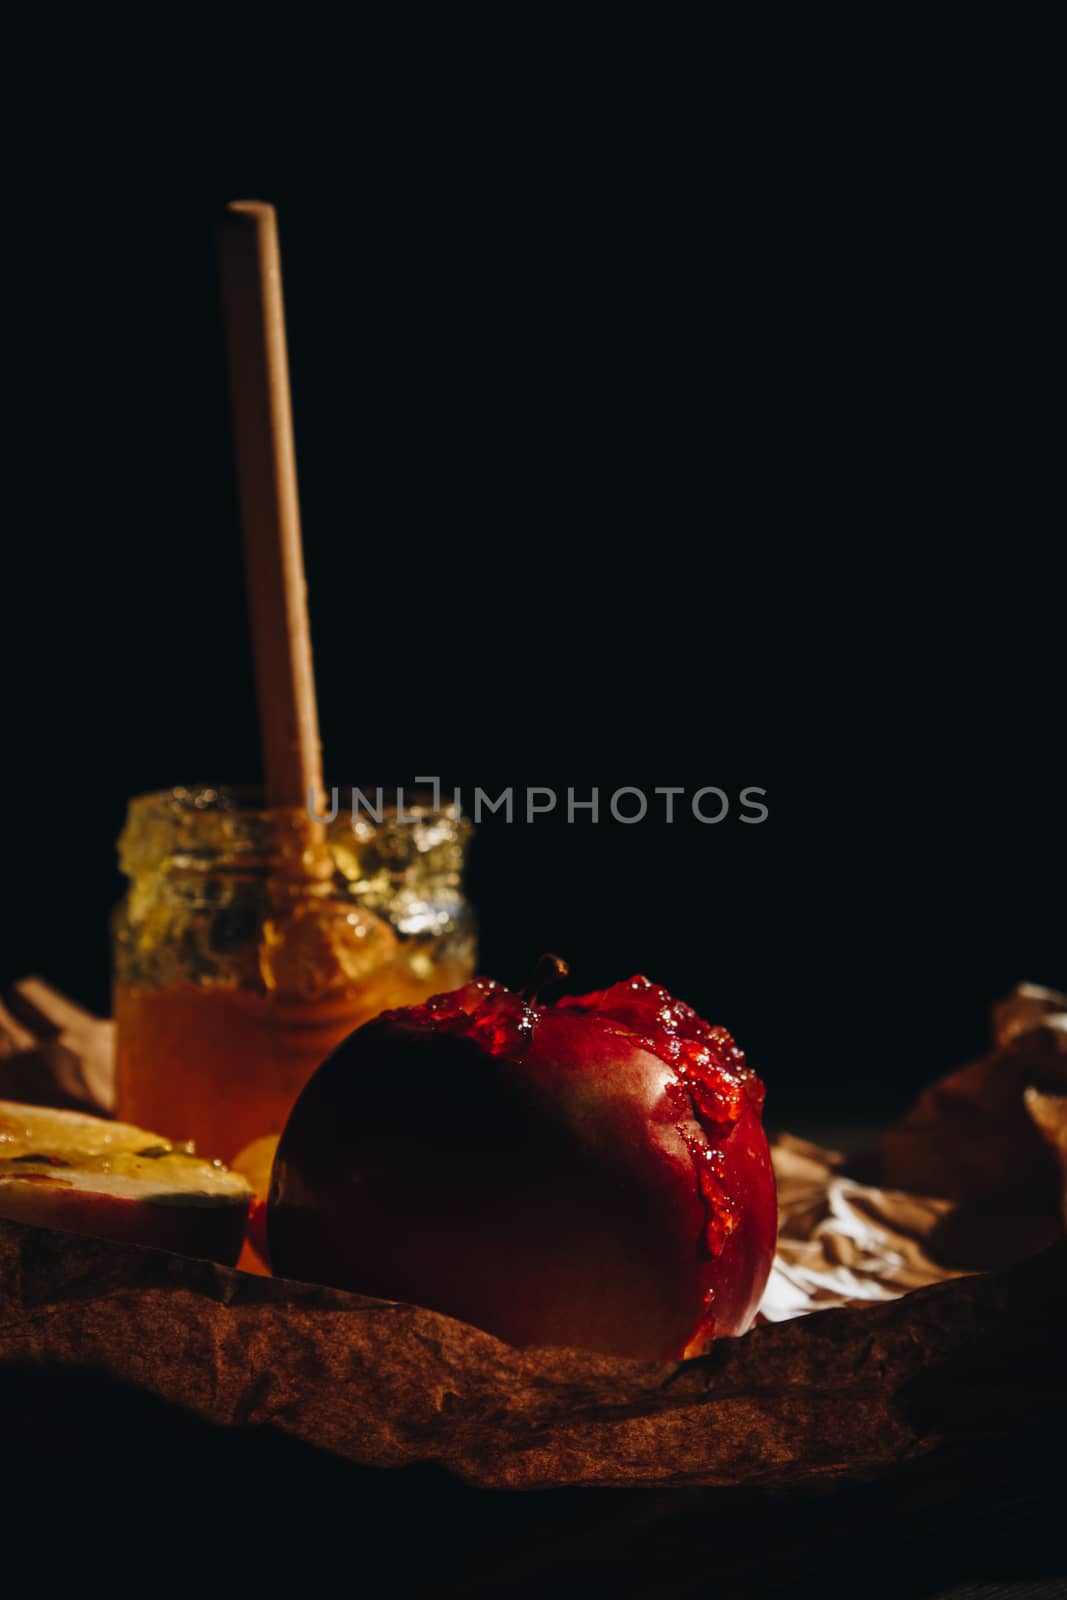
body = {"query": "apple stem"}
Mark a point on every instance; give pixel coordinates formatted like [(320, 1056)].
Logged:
[(549, 970)]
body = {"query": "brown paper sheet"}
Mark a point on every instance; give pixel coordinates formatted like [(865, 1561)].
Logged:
[(972, 1139), (1049, 1113), (890, 1369), (389, 1385)]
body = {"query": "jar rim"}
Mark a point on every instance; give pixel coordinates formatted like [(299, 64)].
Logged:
[(249, 799), (199, 825)]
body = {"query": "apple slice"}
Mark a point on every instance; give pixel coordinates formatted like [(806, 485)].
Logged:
[(64, 1169)]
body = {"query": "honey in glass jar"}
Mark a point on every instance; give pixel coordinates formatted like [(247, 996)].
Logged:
[(248, 945)]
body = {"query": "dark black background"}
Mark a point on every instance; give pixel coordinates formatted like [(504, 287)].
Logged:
[(668, 410), (640, 451)]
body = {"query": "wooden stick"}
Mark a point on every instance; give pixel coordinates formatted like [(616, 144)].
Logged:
[(270, 510)]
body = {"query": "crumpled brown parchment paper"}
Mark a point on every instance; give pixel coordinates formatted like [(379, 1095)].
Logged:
[(911, 1351), (389, 1385)]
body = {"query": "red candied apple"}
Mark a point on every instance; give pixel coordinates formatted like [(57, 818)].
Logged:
[(592, 1173)]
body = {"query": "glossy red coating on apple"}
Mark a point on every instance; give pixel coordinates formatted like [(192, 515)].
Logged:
[(592, 1173)]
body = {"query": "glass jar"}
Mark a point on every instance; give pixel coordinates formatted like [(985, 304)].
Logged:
[(249, 944)]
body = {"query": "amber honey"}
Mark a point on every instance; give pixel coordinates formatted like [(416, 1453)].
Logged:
[(224, 1066), (241, 959)]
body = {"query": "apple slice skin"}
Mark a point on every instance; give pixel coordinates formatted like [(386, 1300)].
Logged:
[(211, 1232), (549, 1196)]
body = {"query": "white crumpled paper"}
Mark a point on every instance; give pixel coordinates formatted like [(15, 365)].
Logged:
[(841, 1242)]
